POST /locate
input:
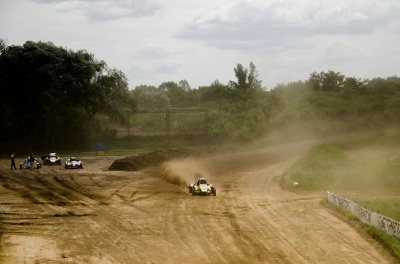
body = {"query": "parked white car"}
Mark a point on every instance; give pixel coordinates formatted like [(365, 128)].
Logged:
[(73, 163), (51, 159)]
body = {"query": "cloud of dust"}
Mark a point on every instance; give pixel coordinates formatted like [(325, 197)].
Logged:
[(286, 143), (183, 172), (371, 169)]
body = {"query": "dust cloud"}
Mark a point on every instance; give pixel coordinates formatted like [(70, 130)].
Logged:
[(184, 171)]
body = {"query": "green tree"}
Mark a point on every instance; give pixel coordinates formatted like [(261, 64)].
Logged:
[(352, 85), (326, 81), (244, 118), (247, 82), (34, 90), (142, 88), (176, 93), (103, 89), (150, 97), (184, 84), (3, 45), (383, 86), (50, 90)]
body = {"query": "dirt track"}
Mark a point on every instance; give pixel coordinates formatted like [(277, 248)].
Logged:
[(94, 215)]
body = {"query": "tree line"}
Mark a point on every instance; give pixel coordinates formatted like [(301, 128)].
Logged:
[(52, 94), (56, 98)]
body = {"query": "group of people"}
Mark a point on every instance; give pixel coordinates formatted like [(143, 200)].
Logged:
[(31, 158)]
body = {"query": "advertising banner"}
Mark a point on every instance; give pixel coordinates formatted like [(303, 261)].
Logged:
[(371, 218)]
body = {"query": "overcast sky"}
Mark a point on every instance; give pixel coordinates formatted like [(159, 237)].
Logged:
[(154, 41)]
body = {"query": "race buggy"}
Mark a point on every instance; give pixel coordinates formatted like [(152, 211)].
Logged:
[(26, 164), (201, 187), (51, 159), (73, 163)]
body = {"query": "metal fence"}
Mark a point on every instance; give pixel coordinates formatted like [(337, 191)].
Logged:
[(163, 128)]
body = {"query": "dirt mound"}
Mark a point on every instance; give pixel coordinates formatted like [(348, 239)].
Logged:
[(156, 158)]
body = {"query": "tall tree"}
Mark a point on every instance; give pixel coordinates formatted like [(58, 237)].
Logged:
[(247, 82), (184, 84)]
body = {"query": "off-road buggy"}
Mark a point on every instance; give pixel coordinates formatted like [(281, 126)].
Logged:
[(26, 164), (201, 187), (51, 159), (73, 163)]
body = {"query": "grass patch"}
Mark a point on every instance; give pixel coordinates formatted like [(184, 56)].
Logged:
[(318, 169), (363, 169), (387, 205), (366, 170)]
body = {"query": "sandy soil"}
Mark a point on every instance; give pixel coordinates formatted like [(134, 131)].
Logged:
[(94, 215)]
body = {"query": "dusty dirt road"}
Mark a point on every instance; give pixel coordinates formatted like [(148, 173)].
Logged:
[(94, 215)]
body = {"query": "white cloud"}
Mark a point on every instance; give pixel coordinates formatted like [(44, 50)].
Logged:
[(341, 53), (104, 10), (277, 22), (152, 51)]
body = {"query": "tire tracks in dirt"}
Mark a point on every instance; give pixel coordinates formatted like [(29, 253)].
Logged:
[(146, 217)]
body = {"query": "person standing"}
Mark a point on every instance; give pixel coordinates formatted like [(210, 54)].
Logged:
[(13, 161), (31, 160)]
